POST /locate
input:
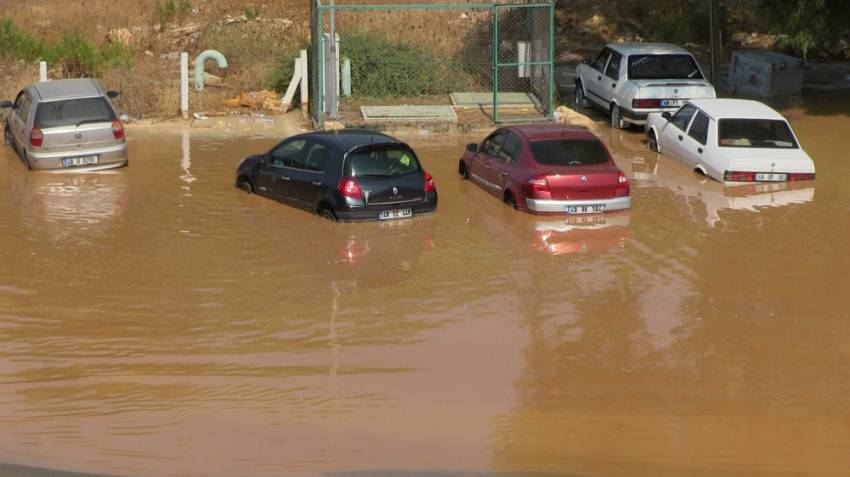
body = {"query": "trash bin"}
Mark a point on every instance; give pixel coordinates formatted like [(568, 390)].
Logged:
[(765, 73)]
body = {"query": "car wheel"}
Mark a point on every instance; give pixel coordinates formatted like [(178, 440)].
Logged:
[(327, 214), (464, 174), (245, 184), (616, 119), (653, 142), (580, 99), (7, 136), (510, 201)]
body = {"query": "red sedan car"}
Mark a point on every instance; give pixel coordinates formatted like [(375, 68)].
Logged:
[(547, 169)]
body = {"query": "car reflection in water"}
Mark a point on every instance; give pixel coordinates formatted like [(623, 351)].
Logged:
[(655, 169), (582, 233), (68, 204)]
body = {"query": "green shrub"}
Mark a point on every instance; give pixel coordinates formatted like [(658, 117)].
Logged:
[(251, 13), (18, 44), (185, 6), (81, 56), (165, 11), (281, 75)]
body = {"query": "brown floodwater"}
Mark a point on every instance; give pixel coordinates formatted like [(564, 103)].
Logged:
[(157, 321)]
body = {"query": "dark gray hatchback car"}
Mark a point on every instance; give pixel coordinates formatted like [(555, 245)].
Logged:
[(345, 175)]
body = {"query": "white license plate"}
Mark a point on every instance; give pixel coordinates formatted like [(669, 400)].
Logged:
[(585, 209), (79, 161), (671, 103), (395, 214), (771, 177)]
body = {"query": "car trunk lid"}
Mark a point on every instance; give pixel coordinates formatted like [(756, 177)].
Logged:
[(583, 182)]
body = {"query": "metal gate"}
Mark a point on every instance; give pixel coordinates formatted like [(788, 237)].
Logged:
[(491, 59)]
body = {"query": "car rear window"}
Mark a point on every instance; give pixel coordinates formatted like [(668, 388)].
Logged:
[(73, 112), (569, 152), (663, 67), (380, 161), (761, 133)]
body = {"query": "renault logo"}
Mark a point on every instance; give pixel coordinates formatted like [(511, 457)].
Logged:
[(395, 190), (78, 135), (584, 178)]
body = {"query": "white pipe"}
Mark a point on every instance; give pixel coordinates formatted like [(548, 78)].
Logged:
[(184, 84), (42, 71)]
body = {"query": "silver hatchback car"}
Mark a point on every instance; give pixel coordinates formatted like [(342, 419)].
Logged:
[(66, 125)]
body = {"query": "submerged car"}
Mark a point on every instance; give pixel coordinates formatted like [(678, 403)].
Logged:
[(343, 175), (547, 169), (630, 80), (731, 140), (66, 125)]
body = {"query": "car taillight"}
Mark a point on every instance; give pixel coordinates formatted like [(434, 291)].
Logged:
[(36, 137), (801, 176), (646, 103), (429, 183), (538, 188), (739, 176), (117, 129), (350, 188), (622, 186)]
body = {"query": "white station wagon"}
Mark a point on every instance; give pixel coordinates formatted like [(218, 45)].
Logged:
[(731, 140), (630, 80)]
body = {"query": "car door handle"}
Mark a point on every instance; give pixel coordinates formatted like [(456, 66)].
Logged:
[(316, 183), (598, 78), (487, 165), (680, 137), (699, 150), (286, 178), (504, 173), (613, 85)]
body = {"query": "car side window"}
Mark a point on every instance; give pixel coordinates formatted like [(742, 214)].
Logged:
[(493, 144), (613, 70), (601, 60), (317, 157), (511, 149), (19, 101), (683, 116), (24, 112), (289, 154), (699, 128)]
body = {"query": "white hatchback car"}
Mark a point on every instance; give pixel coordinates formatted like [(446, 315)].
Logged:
[(630, 80), (731, 140)]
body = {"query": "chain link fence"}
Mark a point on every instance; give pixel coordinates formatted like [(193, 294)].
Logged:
[(490, 62)]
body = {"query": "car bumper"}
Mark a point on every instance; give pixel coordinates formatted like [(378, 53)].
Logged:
[(357, 214), (639, 116), (559, 206), (108, 158)]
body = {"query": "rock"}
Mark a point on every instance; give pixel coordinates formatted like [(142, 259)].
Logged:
[(184, 30), (231, 102), (212, 80), (229, 20), (120, 35), (172, 55), (282, 23), (464, 16), (148, 53), (755, 40), (333, 125), (840, 48)]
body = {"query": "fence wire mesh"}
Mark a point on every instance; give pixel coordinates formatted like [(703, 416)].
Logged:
[(443, 54)]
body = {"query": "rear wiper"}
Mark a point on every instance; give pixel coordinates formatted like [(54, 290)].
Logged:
[(86, 121)]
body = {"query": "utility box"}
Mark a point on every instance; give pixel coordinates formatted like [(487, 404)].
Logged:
[(764, 73)]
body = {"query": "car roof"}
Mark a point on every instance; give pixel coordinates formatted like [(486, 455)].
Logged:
[(67, 89), (639, 48), (719, 108), (539, 131), (347, 139)]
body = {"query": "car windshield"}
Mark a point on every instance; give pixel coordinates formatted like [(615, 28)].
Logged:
[(73, 112), (760, 133), (569, 152), (386, 161), (663, 67)]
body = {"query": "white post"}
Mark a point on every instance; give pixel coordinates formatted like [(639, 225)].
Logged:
[(42, 71), (184, 84), (304, 85)]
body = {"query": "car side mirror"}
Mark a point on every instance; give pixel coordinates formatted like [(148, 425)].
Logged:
[(472, 147), (113, 94), (588, 61), (666, 115), (6, 104)]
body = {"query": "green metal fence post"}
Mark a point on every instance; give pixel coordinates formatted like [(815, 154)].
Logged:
[(550, 113), (495, 63)]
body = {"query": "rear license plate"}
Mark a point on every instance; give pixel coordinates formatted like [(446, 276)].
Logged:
[(771, 177), (671, 103), (585, 209), (395, 214), (79, 161)]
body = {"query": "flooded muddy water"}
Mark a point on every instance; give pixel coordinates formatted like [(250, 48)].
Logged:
[(157, 321)]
